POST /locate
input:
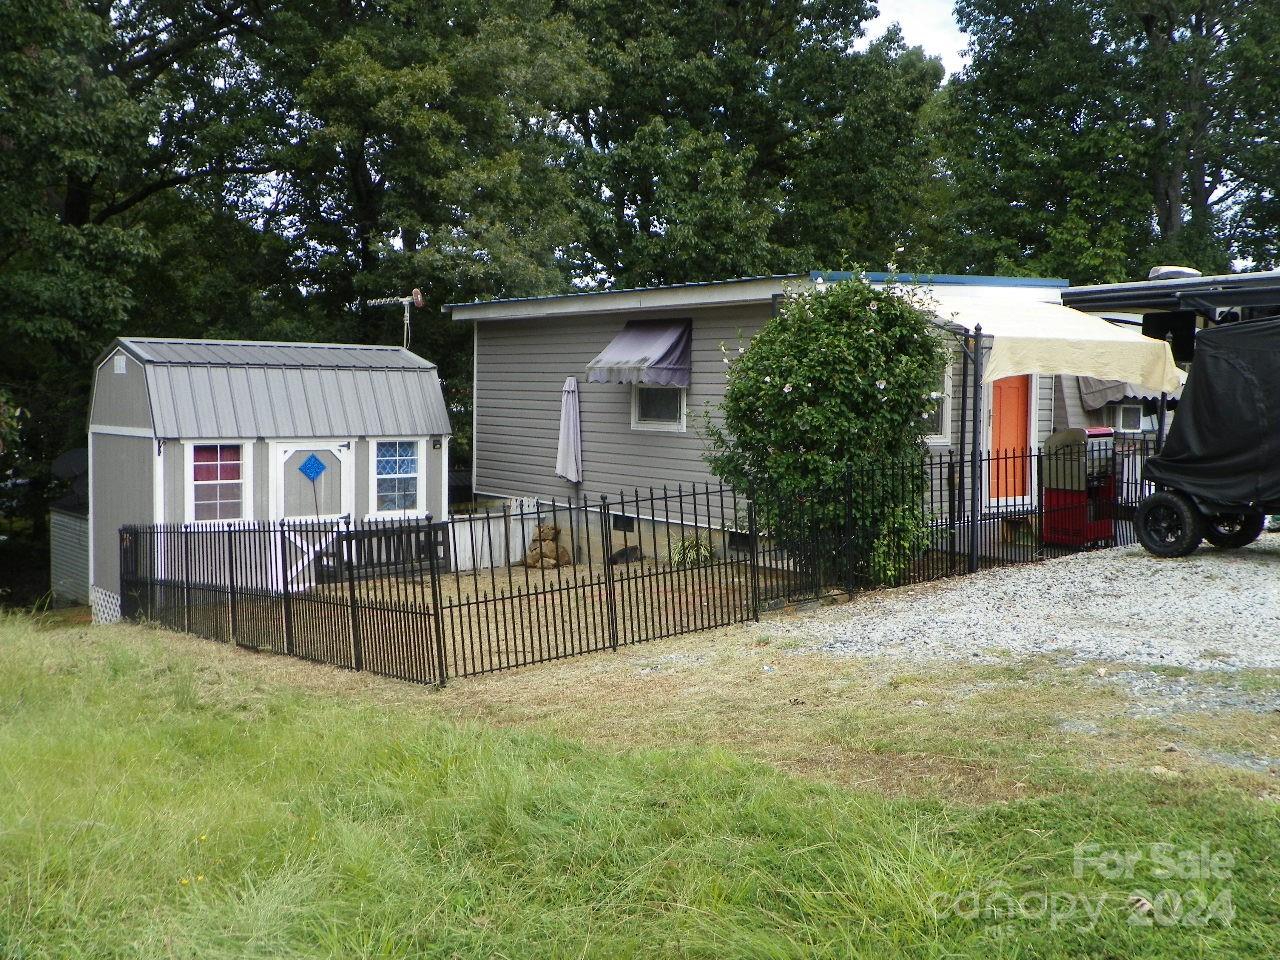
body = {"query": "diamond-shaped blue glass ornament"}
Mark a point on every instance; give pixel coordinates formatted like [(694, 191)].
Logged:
[(312, 467)]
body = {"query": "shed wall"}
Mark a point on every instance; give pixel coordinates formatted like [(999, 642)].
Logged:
[(121, 399), (121, 493)]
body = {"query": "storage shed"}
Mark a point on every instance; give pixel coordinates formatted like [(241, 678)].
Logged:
[(211, 432)]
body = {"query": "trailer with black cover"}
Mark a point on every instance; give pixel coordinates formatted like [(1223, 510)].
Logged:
[(1218, 474)]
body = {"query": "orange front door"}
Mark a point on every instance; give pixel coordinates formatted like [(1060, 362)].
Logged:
[(1010, 437)]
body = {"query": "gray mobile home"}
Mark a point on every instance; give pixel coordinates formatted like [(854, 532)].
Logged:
[(641, 431), (212, 432)]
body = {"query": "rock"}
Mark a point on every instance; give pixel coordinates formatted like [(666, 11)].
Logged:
[(548, 531), (563, 556)]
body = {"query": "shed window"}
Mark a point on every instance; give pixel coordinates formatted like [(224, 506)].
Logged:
[(396, 475), (657, 408), (217, 481)]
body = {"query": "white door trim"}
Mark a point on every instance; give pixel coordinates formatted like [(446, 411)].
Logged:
[(280, 451), (1033, 438)]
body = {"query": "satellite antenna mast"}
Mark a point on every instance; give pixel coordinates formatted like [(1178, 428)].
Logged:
[(414, 299)]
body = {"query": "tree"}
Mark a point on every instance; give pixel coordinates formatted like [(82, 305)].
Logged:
[(729, 139), (1093, 138), (104, 110), (831, 396)]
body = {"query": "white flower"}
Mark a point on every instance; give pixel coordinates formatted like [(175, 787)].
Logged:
[(742, 349), (725, 359), (787, 388), (874, 306), (935, 395), (768, 379), (881, 384)]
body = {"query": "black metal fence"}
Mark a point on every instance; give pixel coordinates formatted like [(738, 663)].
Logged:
[(537, 581)]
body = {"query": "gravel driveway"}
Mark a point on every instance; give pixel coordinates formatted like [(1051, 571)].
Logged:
[(1214, 610)]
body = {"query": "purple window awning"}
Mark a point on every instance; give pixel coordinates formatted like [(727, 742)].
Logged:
[(646, 351)]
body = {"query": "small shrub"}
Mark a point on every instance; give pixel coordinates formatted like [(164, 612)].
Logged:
[(692, 551)]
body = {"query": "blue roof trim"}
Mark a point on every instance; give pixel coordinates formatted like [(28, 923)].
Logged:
[(941, 279)]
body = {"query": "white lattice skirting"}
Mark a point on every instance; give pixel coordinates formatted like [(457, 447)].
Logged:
[(105, 605)]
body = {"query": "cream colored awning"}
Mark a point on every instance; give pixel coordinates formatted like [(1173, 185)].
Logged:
[(1033, 335)]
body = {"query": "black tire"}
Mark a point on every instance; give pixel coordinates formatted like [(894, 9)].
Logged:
[(1231, 531), (1168, 524)]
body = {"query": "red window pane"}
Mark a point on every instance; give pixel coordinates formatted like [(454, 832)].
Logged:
[(206, 453), (206, 471), (227, 471), (228, 453)]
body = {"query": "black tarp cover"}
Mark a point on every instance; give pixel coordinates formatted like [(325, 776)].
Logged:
[(1224, 445)]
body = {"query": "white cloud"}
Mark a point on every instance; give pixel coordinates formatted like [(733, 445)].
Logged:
[(925, 23)]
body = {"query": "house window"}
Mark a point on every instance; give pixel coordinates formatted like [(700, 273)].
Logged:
[(396, 476), (938, 422), (657, 408), (217, 481), (1126, 417)]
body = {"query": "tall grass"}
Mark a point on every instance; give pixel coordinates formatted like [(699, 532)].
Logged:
[(151, 808)]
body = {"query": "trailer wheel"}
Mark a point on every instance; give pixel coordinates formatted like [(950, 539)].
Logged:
[(1168, 524), (1230, 531)]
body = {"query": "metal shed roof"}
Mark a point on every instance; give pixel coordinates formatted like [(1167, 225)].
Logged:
[(221, 389)]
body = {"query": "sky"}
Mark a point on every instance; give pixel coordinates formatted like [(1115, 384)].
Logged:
[(925, 23)]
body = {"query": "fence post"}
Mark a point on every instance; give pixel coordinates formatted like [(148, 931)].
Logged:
[(127, 558), (231, 584), (975, 480), (186, 578), (442, 671), (753, 535), (286, 599), (357, 647), (606, 546), (1039, 531)]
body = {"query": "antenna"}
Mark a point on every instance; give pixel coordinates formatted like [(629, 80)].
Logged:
[(415, 299)]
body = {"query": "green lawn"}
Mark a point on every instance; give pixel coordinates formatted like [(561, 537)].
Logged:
[(164, 797)]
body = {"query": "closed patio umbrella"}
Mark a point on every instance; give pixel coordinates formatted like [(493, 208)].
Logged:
[(569, 449)]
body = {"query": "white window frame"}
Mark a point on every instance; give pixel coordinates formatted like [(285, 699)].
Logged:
[(944, 439), (653, 425), (420, 510), (189, 483), (1115, 415)]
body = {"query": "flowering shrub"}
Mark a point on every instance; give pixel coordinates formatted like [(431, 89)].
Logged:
[(839, 385)]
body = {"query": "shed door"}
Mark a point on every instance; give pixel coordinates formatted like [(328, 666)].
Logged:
[(313, 481)]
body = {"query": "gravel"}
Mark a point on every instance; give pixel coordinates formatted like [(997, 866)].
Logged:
[(1215, 610)]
